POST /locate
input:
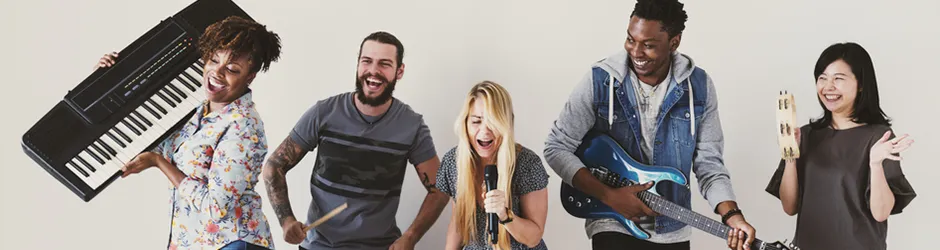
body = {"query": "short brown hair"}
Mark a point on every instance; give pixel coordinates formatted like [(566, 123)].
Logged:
[(386, 38), (242, 37)]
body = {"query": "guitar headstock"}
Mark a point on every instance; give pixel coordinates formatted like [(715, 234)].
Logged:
[(786, 126), (777, 245)]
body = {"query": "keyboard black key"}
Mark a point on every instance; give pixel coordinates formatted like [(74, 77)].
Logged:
[(169, 93), (201, 65), (192, 78), (192, 87), (143, 119), (75, 166), (158, 107), (123, 135), (150, 110), (88, 166), (115, 139), (131, 127), (101, 152), (197, 69), (95, 157), (107, 147), (166, 99), (177, 90), (134, 121)]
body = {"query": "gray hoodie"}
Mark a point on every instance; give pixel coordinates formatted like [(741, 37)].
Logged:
[(578, 117)]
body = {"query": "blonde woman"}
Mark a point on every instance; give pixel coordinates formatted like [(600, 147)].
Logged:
[(485, 132)]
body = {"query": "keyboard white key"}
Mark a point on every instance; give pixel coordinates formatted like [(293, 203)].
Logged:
[(145, 125), (118, 150), (99, 150), (154, 124), (144, 134), (173, 114), (137, 141), (98, 163), (163, 120), (79, 171), (154, 132), (181, 104), (91, 167), (187, 96)]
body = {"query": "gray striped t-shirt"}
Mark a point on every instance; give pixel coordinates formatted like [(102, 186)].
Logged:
[(361, 160)]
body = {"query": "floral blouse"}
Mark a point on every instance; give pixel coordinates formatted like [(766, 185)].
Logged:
[(221, 154)]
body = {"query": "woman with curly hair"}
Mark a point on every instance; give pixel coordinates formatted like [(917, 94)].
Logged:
[(213, 161)]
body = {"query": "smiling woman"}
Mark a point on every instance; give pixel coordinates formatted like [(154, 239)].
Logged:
[(234, 50), (213, 161), (850, 174), (486, 136)]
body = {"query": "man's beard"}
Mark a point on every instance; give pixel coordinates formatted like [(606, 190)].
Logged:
[(379, 100)]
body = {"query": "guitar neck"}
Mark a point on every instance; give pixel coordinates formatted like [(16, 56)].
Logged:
[(691, 218)]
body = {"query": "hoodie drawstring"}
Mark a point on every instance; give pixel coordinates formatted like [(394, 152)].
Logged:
[(610, 104), (691, 108)]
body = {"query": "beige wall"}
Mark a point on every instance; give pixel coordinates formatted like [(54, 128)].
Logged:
[(537, 49)]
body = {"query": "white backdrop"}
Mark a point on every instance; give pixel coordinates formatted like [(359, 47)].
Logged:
[(536, 49)]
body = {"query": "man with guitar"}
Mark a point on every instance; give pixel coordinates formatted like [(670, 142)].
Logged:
[(663, 110)]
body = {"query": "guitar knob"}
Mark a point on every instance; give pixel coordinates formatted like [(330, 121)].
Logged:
[(570, 198), (588, 200), (578, 204)]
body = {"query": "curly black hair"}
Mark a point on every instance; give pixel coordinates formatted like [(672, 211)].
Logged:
[(242, 37), (668, 12)]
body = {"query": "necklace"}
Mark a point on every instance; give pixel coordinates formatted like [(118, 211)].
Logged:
[(644, 102)]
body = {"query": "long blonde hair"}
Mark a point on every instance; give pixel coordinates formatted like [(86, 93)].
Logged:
[(498, 117)]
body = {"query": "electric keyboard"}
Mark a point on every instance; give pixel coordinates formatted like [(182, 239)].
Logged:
[(120, 111)]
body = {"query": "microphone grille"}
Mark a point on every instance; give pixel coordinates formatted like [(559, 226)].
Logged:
[(490, 170)]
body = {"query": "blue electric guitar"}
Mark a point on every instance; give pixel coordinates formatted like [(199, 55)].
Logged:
[(608, 162)]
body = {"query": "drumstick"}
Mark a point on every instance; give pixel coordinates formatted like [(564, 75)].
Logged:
[(329, 215)]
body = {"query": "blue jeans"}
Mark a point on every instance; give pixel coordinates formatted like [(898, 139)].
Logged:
[(242, 245)]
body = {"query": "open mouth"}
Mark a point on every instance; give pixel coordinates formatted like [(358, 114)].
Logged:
[(374, 83), (214, 86), (485, 144)]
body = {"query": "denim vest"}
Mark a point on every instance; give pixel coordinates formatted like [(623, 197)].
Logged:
[(674, 145)]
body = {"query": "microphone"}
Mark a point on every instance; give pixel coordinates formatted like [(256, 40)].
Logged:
[(490, 177)]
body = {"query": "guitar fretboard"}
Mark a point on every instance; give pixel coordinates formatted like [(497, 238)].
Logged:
[(679, 213), (691, 218)]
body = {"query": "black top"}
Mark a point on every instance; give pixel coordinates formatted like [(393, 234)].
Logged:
[(529, 176), (833, 172)]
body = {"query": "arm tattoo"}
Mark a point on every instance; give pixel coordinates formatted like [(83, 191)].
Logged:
[(287, 155), (426, 181), (277, 192)]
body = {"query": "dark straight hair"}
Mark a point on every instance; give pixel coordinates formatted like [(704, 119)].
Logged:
[(866, 108)]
